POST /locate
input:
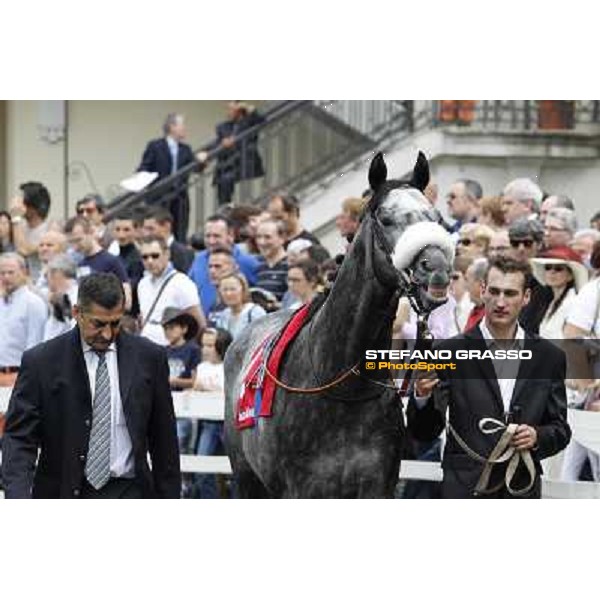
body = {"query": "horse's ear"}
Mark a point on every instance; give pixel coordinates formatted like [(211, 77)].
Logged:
[(377, 172), (420, 177)]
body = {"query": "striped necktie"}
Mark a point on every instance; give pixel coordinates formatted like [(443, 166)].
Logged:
[(97, 468)]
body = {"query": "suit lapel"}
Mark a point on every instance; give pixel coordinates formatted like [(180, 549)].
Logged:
[(167, 152), (525, 369), (127, 366), (486, 367), (78, 373)]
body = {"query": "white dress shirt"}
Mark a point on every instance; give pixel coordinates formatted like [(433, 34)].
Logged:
[(174, 150), (121, 452), (506, 385), (501, 367), (439, 322)]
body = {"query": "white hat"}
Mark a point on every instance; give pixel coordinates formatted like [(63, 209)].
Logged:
[(562, 255)]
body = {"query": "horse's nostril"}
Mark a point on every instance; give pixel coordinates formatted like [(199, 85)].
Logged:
[(438, 279)]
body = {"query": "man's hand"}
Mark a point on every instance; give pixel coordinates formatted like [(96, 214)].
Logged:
[(202, 156), (228, 142), (425, 385), (525, 438), (17, 207)]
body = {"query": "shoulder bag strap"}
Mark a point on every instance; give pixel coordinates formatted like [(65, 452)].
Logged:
[(156, 299)]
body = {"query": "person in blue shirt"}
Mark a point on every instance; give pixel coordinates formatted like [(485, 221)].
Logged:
[(218, 232)]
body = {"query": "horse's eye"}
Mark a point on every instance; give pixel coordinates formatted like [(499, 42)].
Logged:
[(387, 221)]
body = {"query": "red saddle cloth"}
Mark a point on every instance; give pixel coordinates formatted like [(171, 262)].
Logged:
[(258, 389)]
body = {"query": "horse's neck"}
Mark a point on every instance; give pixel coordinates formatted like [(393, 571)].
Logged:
[(355, 316)]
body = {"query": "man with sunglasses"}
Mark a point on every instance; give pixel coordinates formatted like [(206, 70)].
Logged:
[(526, 237), (94, 402), (463, 202), (91, 207), (163, 286)]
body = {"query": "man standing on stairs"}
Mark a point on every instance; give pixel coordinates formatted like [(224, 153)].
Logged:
[(166, 156), (238, 159)]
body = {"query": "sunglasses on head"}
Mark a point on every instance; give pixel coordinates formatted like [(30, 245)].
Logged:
[(526, 243), (557, 268), (154, 255)]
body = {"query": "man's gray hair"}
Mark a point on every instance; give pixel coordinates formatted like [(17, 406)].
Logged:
[(63, 264), (16, 257), (562, 201), (565, 216), (523, 190), (472, 188), (479, 268), (171, 120), (588, 232)]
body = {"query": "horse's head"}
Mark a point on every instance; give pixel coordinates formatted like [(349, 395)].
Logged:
[(406, 229)]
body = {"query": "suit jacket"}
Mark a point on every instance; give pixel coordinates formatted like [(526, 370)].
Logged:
[(51, 409), (182, 257), (157, 158), (533, 313), (472, 393), (243, 161)]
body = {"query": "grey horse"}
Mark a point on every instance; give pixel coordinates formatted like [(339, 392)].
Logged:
[(345, 440)]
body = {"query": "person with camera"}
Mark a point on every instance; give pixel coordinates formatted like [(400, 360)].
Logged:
[(61, 272)]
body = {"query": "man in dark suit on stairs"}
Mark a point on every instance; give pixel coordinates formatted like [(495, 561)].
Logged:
[(95, 402), (166, 156)]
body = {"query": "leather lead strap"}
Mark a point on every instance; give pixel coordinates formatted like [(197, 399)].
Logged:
[(502, 452)]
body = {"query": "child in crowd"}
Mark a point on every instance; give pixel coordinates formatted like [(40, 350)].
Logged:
[(210, 378), (183, 355)]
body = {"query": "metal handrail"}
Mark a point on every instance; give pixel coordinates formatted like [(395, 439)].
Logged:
[(180, 177)]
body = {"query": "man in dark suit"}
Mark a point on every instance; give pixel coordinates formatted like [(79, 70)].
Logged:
[(496, 407), (95, 402), (166, 156), (238, 160)]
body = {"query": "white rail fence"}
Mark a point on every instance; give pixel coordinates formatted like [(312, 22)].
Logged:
[(209, 406)]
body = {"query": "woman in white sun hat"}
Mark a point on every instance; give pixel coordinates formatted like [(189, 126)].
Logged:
[(560, 269)]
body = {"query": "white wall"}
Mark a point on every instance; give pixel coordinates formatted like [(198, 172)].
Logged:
[(30, 159)]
